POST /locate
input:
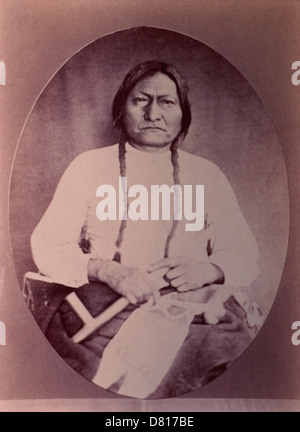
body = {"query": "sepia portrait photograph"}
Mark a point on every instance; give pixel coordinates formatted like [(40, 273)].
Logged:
[(151, 255)]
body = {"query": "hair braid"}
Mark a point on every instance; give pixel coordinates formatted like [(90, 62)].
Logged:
[(122, 161), (176, 179)]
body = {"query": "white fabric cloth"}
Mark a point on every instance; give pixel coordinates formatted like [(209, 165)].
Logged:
[(137, 357), (55, 241)]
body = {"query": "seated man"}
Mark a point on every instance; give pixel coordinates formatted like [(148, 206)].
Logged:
[(160, 345)]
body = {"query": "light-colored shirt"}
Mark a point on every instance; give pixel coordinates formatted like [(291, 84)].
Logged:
[(226, 241)]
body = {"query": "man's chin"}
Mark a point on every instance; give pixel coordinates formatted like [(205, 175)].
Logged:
[(153, 141)]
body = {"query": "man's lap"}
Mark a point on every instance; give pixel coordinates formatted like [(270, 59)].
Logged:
[(206, 353)]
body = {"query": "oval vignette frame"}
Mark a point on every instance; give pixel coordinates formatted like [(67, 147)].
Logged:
[(230, 127)]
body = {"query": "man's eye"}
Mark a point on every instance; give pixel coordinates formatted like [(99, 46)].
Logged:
[(167, 102), (140, 100)]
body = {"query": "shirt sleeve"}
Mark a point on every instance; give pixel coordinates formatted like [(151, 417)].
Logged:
[(55, 241), (233, 246)]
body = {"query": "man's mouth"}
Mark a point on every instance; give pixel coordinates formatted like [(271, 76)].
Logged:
[(153, 128)]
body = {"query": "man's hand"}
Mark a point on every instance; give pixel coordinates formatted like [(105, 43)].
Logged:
[(186, 274), (134, 284)]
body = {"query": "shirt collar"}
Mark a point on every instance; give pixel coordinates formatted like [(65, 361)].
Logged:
[(162, 155)]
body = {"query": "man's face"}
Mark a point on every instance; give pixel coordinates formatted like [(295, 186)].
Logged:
[(152, 116)]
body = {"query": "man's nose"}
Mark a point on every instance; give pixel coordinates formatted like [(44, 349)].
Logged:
[(153, 111)]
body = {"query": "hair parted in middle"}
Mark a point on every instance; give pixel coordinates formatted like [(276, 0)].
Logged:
[(135, 75)]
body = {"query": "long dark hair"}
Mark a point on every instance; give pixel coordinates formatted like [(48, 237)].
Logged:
[(138, 73)]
